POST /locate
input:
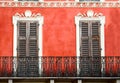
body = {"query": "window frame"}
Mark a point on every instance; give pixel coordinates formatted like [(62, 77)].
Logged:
[(27, 17), (86, 17)]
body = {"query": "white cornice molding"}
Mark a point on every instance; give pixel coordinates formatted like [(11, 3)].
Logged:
[(89, 15), (96, 4), (27, 16)]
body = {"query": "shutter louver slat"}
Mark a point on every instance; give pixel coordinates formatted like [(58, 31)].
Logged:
[(95, 30), (85, 47), (22, 47), (95, 47), (22, 29), (33, 29), (84, 29), (33, 48)]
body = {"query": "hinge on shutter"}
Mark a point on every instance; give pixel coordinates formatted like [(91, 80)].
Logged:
[(38, 48), (38, 24), (17, 24)]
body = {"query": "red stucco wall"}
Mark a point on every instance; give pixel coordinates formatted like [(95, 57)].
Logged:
[(59, 30)]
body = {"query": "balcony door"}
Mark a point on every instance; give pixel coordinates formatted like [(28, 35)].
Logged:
[(27, 48), (90, 48)]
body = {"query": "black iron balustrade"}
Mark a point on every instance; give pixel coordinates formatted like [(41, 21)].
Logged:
[(60, 66)]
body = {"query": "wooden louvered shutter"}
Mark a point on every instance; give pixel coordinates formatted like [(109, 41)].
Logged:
[(33, 39), (84, 49), (84, 39), (27, 48), (95, 48), (21, 39), (22, 46), (33, 49), (95, 39), (90, 48)]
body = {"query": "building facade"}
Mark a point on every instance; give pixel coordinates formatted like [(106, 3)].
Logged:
[(59, 41)]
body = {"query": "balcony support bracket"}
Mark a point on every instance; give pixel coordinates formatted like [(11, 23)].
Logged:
[(10, 81)]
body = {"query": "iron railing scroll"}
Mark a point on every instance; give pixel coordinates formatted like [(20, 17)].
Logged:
[(60, 66)]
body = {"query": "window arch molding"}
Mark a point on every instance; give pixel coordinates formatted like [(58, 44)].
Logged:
[(27, 16), (89, 16)]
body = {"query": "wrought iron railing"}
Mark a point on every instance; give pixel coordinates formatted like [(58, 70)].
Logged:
[(67, 66)]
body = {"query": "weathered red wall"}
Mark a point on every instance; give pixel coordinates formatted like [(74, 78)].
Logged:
[(59, 30)]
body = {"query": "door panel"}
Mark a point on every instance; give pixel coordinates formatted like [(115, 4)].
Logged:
[(28, 49), (90, 60)]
